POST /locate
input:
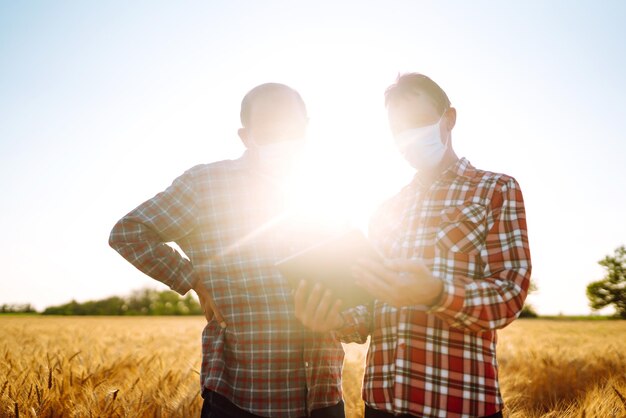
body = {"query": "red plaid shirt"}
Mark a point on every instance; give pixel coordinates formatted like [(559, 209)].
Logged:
[(469, 227), (223, 216)]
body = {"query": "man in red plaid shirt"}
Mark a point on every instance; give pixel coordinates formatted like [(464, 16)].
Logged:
[(229, 219), (456, 268)]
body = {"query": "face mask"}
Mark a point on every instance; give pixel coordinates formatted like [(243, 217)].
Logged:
[(278, 158), (422, 147)]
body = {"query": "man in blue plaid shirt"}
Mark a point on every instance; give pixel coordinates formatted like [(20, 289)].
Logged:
[(228, 218)]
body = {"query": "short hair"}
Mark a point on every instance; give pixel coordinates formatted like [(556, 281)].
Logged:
[(267, 90), (415, 84)]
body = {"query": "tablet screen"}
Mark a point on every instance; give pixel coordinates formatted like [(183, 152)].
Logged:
[(329, 263)]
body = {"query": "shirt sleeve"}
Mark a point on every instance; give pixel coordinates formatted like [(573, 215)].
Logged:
[(356, 328), (141, 236), (498, 298)]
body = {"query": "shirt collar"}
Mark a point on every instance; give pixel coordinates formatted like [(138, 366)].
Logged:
[(460, 168)]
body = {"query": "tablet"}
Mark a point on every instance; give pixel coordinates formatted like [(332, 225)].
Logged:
[(329, 263)]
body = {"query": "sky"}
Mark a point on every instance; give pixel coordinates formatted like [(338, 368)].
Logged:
[(103, 104)]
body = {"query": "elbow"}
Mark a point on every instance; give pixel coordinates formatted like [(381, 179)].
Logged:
[(116, 235), (491, 318), (513, 299), (510, 312)]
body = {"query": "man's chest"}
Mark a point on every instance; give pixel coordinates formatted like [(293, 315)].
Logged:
[(435, 223)]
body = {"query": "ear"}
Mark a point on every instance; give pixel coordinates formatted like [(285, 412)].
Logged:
[(244, 136), (451, 118)]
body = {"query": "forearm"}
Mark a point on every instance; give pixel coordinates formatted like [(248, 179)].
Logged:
[(145, 250), (142, 235)]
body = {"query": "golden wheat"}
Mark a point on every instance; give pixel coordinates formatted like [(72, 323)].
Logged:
[(135, 367), (81, 367), (563, 369)]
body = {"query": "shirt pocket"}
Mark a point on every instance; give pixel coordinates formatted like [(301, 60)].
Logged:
[(462, 229)]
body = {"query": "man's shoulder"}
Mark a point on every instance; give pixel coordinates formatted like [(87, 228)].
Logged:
[(491, 179), (493, 188), (216, 168)]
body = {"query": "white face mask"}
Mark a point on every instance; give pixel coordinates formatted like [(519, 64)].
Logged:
[(422, 147), (278, 158)]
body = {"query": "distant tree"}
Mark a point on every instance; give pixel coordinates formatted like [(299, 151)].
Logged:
[(612, 289), (71, 308), (153, 302), (528, 311), (17, 308)]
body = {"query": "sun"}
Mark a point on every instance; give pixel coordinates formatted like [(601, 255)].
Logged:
[(342, 178)]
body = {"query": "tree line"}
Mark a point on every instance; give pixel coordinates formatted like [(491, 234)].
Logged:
[(17, 308), (610, 291), (141, 302)]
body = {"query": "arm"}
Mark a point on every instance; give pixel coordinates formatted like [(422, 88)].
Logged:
[(141, 236), (497, 299), (356, 325)]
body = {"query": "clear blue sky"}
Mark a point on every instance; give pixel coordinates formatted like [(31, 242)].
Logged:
[(103, 104)]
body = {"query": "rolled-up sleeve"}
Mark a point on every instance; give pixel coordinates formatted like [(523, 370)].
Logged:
[(356, 325)]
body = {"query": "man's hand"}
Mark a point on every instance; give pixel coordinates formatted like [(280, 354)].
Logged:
[(204, 297), (317, 309), (398, 282), (207, 304)]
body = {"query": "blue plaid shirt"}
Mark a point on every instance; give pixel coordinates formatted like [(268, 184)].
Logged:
[(228, 219)]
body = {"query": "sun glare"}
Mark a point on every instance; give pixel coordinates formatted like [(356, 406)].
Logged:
[(343, 178)]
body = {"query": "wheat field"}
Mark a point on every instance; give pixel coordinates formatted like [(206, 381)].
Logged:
[(148, 366)]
